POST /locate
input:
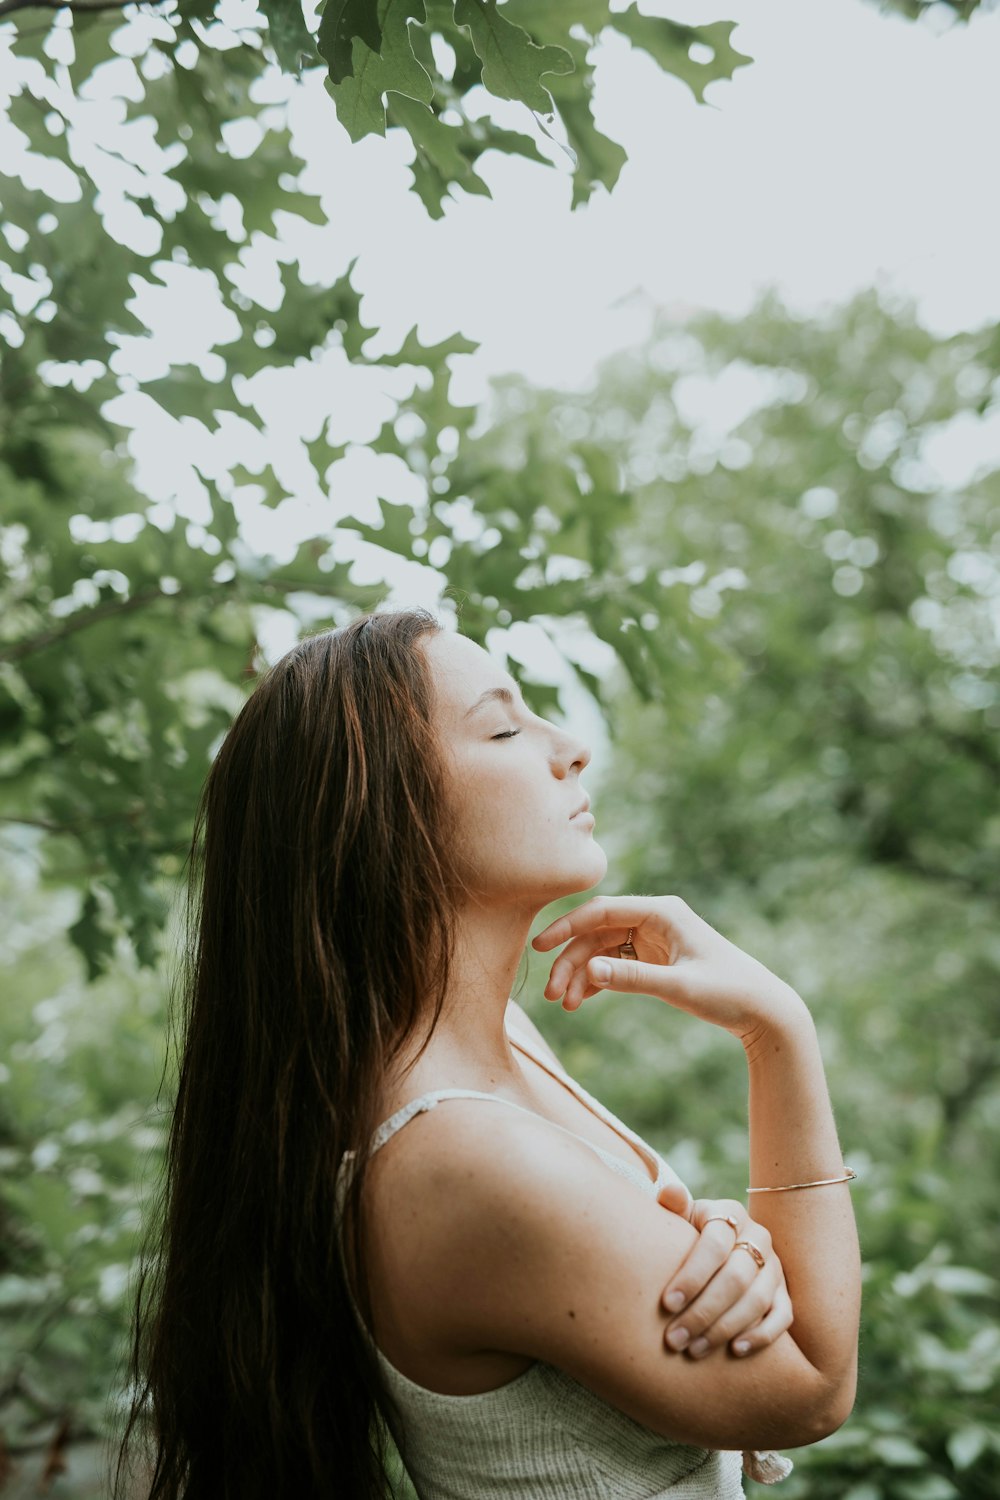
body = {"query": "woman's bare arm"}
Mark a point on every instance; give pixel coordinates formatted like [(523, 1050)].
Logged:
[(793, 1138), (684, 961), (719, 1304), (536, 1247)]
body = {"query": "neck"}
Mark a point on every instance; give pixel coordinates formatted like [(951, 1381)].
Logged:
[(469, 1044)]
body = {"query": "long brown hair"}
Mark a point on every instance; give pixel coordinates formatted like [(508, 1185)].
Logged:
[(320, 912)]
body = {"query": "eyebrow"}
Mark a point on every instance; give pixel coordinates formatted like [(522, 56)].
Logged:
[(503, 694)]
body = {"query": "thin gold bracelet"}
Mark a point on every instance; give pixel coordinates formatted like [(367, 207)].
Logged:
[(849, 1174)]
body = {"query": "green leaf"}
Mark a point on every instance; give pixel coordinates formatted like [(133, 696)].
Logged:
[(558, 17), (340, 23), (185, 392), (288, 33), (927, 1487), (91, 45), (670, 43), (359, 95), (95, 940), (441, 155), (394, 534), (512, 62), (413, 352), (596, 158), (966, 1445)]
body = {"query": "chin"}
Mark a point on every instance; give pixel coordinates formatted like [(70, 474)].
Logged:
[(591, 871), (542, 886)]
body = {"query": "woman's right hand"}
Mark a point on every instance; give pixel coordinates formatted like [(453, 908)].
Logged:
[(717, 1295), (681, 959)]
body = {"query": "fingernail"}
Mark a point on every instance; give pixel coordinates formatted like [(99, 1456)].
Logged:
[(600, 971), (741, 1347), (699, 1347), (674, 1301), (677, 1338)]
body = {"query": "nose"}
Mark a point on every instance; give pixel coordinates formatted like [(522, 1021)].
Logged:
[(573, 754)]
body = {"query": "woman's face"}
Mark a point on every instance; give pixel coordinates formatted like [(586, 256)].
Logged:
[(514, 780)]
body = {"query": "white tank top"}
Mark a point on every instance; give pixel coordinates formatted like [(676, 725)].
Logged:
[(543, 1435)]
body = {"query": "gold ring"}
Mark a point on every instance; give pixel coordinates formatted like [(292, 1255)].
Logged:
[(625, 950), (753, 1250), (724, 1219)]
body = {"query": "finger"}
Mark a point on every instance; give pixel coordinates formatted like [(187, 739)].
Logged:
[(579, 989), (760, 1235), (627, 976), (677, 1199), (771, 1326), (712, 1208), (724, 1312), (576, 1001), (727, 1287), (602, 912), (590, 916), (744, 1314), (572, 961), (704, 1260), (707, 1255)]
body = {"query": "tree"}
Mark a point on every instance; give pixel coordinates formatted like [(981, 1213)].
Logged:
[(124, 630)]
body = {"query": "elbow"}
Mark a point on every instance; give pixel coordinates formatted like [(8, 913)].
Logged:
[(815, 1414), (831, 1408), (842, 1405), (823, 1406)]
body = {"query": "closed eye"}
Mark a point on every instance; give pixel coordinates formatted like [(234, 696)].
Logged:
[(508, 734)]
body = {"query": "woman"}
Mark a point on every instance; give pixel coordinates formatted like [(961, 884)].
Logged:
[(382, 824)]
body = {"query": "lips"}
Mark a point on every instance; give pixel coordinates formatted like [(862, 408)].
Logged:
[(584, 807)]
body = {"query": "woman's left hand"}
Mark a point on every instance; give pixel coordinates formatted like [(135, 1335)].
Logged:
[(727, 1298)]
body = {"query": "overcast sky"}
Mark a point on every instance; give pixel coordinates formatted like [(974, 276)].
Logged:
[(858, 147)]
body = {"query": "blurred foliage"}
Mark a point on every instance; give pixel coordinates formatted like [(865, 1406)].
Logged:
[(917, 9), (76, 1137), (808, 756), (831, 803)]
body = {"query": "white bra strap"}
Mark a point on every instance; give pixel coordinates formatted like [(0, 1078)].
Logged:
[(426, 1101)]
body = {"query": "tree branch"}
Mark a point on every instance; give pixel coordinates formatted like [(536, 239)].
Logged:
[(130, 815), (83, 618)]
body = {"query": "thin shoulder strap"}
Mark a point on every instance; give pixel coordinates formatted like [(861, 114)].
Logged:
[(428, 1100), (404, 1115), (556, 1069), (663, 1170)]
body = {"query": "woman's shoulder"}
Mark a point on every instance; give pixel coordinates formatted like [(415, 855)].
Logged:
[(519, 1241), (438, 1142)]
